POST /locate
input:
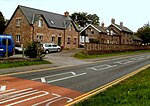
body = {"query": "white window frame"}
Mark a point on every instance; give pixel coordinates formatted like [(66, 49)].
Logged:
[(18, 38), (18, 21), (70, 27), (40, 23), (39, 37)]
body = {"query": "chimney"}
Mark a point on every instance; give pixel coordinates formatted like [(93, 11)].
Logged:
[(102, 24), (66, 14), (121, 24), (113, 21)]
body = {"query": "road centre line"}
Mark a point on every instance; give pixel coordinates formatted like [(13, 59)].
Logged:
[(66, 78), (73, 73)]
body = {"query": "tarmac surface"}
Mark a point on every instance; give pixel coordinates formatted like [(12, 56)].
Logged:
[(61, 59)]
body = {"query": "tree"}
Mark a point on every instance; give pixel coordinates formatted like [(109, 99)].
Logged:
[(2, 23), (82, 19), (144, 33)]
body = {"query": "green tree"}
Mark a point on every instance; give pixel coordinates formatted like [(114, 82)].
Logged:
[(82, 19), (2, 23), (144, 33)]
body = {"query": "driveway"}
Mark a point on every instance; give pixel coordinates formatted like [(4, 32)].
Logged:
[(65, 57)]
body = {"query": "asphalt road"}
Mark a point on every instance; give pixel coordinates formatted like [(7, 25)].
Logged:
[(70, 82), (84, 78)]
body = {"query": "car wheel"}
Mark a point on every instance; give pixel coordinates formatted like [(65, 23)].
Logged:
[(46, 51)]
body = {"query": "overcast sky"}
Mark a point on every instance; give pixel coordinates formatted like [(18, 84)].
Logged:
[(133, 13)]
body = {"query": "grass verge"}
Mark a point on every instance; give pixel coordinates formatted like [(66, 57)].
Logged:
[(81, 55), (23, 63), (134, 91)]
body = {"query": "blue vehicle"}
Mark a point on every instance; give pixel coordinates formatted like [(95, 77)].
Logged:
[(3, 43)]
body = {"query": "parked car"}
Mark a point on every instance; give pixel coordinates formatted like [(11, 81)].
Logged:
[(50, 47), (18, 50)]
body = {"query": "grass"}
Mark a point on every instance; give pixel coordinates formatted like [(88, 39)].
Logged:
[(23, 63), (81, 55), (134, 91)]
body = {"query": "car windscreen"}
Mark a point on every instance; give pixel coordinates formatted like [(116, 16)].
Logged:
[(4, 42)]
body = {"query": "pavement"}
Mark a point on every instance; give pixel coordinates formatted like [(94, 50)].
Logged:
[(62, 59)]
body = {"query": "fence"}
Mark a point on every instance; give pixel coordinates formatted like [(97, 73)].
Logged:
[(94, 48)]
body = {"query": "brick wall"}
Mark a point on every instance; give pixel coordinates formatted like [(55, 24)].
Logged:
[(92, 48)]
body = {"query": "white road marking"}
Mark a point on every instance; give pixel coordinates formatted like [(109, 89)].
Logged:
[(55, 75), (1, 92), (69, 100), (123, 61), (57, 96), (11, 93), (43, 80), (66, 78), (44, 93), (12, 96), (109, 66), (3, 88), (102, 67)]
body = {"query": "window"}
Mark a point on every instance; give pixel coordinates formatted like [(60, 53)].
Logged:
[(92, 31), (40, 23), (17, 38), (75, 40), (70, 27), (39, 37), (53, 38), (18, 22), (68, 40)]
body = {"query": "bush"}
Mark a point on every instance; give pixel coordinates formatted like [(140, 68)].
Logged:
[(34, 51)]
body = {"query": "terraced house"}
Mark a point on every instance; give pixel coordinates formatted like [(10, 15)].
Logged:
[(113, 34), (29, 24)]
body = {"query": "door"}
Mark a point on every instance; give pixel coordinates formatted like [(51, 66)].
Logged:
[(59, 41)]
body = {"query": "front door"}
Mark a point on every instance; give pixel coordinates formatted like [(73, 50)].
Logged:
[(59, 41)]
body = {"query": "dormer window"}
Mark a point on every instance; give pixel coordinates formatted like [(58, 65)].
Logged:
[(52, 22), (40, 23)]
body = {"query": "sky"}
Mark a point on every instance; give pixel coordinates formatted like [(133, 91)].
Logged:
[(133, 13)]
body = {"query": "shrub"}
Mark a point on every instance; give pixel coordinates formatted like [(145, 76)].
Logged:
[(34, 51)]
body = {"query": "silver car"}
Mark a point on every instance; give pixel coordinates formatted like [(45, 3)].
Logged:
[(50, 47)]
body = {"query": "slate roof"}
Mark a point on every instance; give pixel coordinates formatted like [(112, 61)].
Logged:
[(96, 27), (53, 20), (123, 28), (103, 30), (136, 38)]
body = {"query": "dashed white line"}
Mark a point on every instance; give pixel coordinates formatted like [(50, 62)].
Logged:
[(66, 78)]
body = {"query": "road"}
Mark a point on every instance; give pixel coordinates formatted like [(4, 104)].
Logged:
[(59, 86)]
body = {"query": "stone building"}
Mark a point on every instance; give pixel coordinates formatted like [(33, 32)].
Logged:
[(29, 24), (113, 34)]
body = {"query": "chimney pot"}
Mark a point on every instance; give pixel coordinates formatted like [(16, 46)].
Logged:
[(121, 23), (113, 21), (102, 24), (66, 14)]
